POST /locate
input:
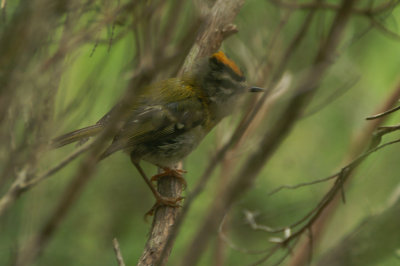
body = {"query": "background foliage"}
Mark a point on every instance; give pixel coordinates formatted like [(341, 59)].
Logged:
[(92, 72)]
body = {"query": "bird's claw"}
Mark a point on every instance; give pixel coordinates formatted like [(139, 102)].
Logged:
[(177, 173), (164, 201)]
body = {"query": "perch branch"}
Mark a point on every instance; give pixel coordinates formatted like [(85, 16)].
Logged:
[(216, 27)]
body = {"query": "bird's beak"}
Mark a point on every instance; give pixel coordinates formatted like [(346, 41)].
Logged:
[(256, 89)]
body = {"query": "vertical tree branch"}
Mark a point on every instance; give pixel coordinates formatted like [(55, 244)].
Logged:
[(163, 221), (216, 27)]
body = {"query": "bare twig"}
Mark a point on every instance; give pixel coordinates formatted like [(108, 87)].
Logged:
[(317, 181), (23, 183), (234, 246), (118, 254), (250, 218), (372, 117)]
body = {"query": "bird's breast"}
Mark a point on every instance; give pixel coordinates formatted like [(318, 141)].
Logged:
[(169, 151)]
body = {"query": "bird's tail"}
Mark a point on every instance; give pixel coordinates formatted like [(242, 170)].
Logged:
[(77, 135)]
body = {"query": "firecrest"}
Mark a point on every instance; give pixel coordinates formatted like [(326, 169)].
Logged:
[(171, 117)]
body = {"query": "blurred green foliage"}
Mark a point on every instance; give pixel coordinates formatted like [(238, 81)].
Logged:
[(114, 202)]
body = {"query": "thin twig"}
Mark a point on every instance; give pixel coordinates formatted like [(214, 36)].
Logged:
[(118, 253), (372, 117), (250, 218), (272, 251), (317, 181), (21, 185), (58, 167), (234, 246)]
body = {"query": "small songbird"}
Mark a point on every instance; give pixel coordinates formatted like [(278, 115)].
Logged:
[(172, 116)]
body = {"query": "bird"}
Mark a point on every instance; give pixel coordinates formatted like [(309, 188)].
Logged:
[(171, 117)]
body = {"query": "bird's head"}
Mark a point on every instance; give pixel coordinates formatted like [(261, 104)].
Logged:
[(222, 81)]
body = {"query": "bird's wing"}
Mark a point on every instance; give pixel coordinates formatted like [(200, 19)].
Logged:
[(163, 121), (161, 118), (159, 93)]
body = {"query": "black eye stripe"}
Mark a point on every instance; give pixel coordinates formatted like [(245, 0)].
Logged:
[(227, 83)]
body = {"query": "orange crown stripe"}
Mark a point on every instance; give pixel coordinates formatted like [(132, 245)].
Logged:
[(221, 57)]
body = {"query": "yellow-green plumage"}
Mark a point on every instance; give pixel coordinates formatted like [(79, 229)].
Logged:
[(154, 126)]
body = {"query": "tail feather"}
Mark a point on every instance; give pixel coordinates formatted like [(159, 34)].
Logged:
[(76, 135), (114, 147)]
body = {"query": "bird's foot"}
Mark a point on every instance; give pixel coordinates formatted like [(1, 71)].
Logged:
[(160, 199), (164, 201), (177, 173)]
